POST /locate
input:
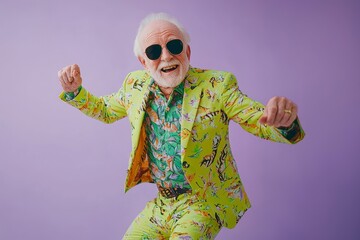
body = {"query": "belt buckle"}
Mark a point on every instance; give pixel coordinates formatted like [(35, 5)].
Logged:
[(168, 192), (172, 192)]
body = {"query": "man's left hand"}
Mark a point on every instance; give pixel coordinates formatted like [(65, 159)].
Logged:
[(279, 112)]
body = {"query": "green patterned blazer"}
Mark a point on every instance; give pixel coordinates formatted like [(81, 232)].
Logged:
[(211, 100)]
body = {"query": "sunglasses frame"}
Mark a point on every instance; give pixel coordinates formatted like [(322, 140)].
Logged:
[(155, 47)]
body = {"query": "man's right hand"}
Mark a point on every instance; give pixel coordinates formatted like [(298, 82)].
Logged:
[(70, 78)]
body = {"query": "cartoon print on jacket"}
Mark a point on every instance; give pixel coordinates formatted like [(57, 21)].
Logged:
[(211, 100)]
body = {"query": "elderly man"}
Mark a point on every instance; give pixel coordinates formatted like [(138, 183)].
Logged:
[(179, 117)]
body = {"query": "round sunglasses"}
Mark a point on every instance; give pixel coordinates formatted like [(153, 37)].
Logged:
[(175, 47)]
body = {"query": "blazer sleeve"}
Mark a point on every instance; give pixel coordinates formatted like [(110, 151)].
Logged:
[(247, 112), (107, 109)]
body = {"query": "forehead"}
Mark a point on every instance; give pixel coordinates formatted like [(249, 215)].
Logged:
[(158, 31)]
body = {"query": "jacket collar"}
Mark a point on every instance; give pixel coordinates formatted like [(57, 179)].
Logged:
[(191, 99)]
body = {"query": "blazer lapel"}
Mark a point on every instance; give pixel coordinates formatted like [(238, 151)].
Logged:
[(192, 96), (138, 112), (136, 170)]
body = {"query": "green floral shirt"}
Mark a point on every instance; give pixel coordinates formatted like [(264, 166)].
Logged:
[(162, 126)]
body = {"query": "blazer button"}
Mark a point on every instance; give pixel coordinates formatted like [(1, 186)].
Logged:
[(185, 164)]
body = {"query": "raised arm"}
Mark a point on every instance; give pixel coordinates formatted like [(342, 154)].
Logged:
[(107, 109)]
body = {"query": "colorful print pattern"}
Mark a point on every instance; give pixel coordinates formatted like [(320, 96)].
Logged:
[(185, 217), (162, 126), (211, 100)]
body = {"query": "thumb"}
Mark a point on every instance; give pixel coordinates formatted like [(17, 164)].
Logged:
[(75, 72), (263, 118), (76, 75)]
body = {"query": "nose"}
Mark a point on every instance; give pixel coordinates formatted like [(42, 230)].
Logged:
[(166, 55)]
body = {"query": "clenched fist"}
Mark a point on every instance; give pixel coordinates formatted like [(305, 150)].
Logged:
[(279, 112), (70, 78)]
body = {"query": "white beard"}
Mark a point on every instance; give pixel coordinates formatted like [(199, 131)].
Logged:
[(171, 81)]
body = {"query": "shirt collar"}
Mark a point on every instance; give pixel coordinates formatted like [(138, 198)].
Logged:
[(154, 87)]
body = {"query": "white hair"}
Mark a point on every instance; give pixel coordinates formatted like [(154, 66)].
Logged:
[(153, 17)]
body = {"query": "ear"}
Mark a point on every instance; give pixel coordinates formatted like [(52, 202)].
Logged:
[(188, 51), (142, 61)]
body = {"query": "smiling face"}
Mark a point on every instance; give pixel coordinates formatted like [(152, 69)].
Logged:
[(168, 70)]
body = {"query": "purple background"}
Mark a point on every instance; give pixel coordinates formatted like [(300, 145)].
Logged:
[(62, 174)]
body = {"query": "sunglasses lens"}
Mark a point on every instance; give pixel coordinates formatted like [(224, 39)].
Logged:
[(153, 52), (175, 46)]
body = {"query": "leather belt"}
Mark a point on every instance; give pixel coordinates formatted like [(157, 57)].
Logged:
[(172, 192)]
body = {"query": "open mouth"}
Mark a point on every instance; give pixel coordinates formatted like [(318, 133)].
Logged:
[(169, 68)]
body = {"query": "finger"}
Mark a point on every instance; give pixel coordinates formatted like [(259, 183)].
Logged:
[(280, 112), (64, 85), (76, 68), (272, 111), (69, 74), (293, 116), (77, 82), (77, 79), (285, 113), (285, 120), (74, 71), (64, 76)]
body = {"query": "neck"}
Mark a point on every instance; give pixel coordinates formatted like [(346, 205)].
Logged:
[(166, 91)]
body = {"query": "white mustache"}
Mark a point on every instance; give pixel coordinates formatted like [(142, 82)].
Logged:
[(168, 64)]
